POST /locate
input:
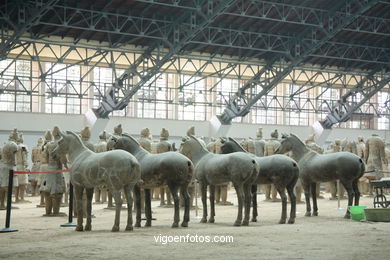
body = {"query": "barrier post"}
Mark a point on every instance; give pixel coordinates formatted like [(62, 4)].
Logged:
[(70, 216), (9, 202)]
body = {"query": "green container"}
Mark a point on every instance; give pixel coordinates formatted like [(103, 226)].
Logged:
[(357, 212), (378, 214)]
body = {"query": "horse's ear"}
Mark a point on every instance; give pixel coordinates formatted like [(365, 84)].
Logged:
[(196, 139), (284, 136), (222, 140), (62, 134), (239, 145), (131, 138)]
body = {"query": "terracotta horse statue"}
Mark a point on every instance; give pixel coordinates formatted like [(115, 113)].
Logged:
[(280, 170), (169, 168), (212, 169), (115, 169), (314, 167)]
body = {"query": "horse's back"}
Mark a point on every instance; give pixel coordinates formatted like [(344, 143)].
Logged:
[(117, 166), (277, 168), (170, 165), (328, 167), (237, 166)]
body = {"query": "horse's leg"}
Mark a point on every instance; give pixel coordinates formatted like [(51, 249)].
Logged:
[(203, 190), (186, 197), (348, 187), (137, 195), (118, 206), (148, 208), (212, 204), (306, 190), (293, 201), (89, 192), (355, 187), (254, 203), (284, 203), (78, 192), (313, 189), (129, 197), (240, 197), (247, 203), (176, 200)]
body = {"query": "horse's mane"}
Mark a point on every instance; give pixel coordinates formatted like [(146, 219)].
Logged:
[(297, 138), (131, 138), (239, 145), (78, 138), (201, 145)]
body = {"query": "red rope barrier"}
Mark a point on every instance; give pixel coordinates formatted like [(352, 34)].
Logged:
[(23, 172)]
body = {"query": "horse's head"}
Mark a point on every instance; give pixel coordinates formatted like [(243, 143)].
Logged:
[(286, 144), (231, 146), (191, 145), (65, 143), (125, 142)]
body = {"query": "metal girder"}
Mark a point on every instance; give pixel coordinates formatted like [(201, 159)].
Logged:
[(28, 16), (137, 26), (178, 38), (271, 74), (289, 13), (347, 105)]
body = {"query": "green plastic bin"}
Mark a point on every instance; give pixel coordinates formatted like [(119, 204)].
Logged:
[(357, 212)]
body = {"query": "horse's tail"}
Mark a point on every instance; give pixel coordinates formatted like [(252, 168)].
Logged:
[(136, 170), (362, 167), (191, 169)]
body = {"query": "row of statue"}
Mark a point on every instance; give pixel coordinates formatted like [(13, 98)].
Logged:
[(54, 185)]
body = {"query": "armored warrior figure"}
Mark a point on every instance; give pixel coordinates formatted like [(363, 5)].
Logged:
[(311, 144), (269, 149), (36, 165), (221, 190), (259, 143), (145, 140), (360, 147), (43, 167), (21, 165), (85, 135), (375, 157), (332, 186), (53, 186), (6, 164), (101, 146), (162, 147)]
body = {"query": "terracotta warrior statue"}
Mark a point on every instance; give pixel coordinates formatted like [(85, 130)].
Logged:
[(221, 190), (21, 165), (36, 165), (162, 147), (269, 149), (53, 186), (361, 147), (85, 135), (336, 147), (249, 145), (44, 164), (375, 157), (145, 139), (312, 145), (7, 163), (118, 130), (101, 191), (259, 143)]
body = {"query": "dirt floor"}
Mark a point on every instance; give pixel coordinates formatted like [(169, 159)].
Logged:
[(328, 236)]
